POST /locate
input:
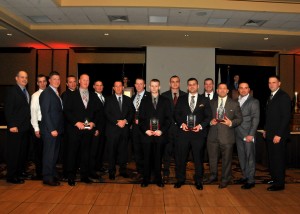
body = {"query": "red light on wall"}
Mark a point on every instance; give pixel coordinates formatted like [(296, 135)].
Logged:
[(33, 45)]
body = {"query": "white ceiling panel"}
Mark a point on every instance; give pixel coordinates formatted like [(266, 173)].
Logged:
[(137, 11), (221, 14), (43, 3), (263, 16), (115, 11), (158, 12)]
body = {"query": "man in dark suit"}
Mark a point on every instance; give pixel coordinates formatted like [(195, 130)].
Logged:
[(81, 109), (36, 117), (173, 94), (154, 122), (192, 133), (209, 89), (245, 135), (119, 112), (52, 127), (141, 93), (221, 134), (17, 115), (278, 114), (98, 142)]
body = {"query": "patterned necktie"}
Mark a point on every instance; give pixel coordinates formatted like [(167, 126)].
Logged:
[(154, 102), (137, 103), (120, 103), (192, 103), (85, 98), (101, 98), (175, 99)]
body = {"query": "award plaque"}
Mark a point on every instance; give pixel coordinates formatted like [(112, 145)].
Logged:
[(191, 121), (220, 114), (86, 124), (154, 124)]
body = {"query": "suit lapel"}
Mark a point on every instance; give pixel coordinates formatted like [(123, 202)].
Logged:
[(19, 90)]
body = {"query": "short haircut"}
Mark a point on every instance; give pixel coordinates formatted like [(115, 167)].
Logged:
[(53, 73), (98, 81), (17, 74), (41, 75), (244, 83), (155, 80), (222, 83), (118, 81), (207, 79), (139, 78), (70, 76), (275, 76), (174, 76), (192, 79)]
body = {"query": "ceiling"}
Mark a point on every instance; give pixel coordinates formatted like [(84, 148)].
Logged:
[(227, 24)]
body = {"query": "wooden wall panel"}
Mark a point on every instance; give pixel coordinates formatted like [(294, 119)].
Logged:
[(60, 60), (286, 73)]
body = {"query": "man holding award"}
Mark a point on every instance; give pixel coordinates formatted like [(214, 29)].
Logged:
[(154, 121), (221, 136), (192, 114), (81, 110)]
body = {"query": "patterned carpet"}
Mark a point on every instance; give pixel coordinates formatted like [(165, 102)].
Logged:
[(292, 175)]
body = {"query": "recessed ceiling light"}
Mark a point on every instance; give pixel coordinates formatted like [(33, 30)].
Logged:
[(186, 35), (266, 38), (9, 34), (106, 34), (158, 19)]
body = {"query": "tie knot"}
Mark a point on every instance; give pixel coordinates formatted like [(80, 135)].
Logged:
[(175, 94)]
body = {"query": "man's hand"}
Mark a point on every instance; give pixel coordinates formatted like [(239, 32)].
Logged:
[(276, 139), (92, 125), (197, 128), (157, 133), (37, 134), (264, 134), (121, 123), (184, 127), (14, 129), (97, 133), (213, 122), (136, 122), (149, 132), (227, 121), (54, 133), (80, 125), (249, 139)]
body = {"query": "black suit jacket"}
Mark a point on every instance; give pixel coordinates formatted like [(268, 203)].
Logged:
[(17, 109), (278, 115), (75, 110), (214, 97), (101, 115), (168, 94), (202, 111), (113, 113), (52, 111), (162, 113)]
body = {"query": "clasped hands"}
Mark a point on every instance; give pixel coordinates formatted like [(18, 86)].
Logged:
[(195, 129), (226, 122), (156, 133)]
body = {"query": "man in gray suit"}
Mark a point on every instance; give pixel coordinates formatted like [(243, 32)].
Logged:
[(245, 134), (221, 134)]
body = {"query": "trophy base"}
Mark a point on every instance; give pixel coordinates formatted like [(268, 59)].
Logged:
[(87, 127), (219, 121)]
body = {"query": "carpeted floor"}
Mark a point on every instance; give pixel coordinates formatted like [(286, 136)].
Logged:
[(292, 175)]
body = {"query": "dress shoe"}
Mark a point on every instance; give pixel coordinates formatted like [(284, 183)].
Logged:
[(51, 183), (86, 180), (199, 186), (25, 176), (178, 184), (240, 181), (71, 182), (15, 181), (248, 185), (144, 184), (112, 176), (160, 184), (166, 179), (124, 175), (275, 188), (211, 180), (223, 185)]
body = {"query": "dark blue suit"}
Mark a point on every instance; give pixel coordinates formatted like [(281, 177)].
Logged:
[(52, 119)]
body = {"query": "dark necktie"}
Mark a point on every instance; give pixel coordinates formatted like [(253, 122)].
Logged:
[(25, 93), (120, 104), (208, 95), (192, 104), (154, 103), (175, 99), (101, 99), (271, 97)]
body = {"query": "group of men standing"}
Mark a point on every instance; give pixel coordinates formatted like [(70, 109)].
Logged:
[(163, 126)]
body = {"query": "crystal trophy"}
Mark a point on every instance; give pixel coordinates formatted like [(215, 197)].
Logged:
[(86, 124), (154, 124), (191, 121), (220, 114)]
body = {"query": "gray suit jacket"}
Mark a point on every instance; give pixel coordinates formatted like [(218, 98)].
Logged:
[(223, 133), (250, 112)]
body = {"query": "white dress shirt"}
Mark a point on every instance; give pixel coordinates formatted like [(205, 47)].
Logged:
[(35, 110)]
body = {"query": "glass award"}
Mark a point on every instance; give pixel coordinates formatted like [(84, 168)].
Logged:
[(191, 121), (220, 115), (154, 124), (86, 124)]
